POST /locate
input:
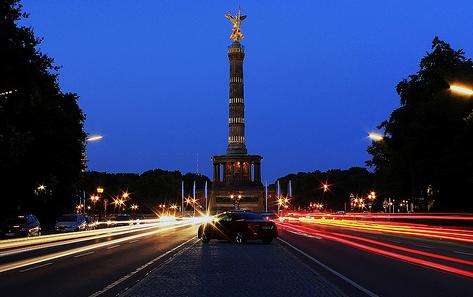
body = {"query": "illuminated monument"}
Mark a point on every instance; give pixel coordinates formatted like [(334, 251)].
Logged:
[(236, 175)]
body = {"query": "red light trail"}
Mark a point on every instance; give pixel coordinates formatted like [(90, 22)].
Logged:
[(381, 248)]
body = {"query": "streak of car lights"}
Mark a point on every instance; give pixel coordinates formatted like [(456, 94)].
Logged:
[(464, 235), (433, 216), (391, 226), (393, 246), (15, 246), (68, 252), (394, 255)]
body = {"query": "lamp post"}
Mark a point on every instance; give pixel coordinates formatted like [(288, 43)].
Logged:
[(461, 90), (375, 136), (100, 191)]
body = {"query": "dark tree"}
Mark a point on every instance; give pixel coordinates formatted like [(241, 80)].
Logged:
[(427, 151), (41, 127), (308, 186), (148, 189)]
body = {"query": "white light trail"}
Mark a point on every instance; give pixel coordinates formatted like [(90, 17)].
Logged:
[(56, 255)]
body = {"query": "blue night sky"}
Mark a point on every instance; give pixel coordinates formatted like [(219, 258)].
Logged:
[(153, 75)]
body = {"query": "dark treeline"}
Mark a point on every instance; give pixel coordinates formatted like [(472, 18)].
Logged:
[(41, 127), (308, 187), (427, 152), (148, 189)]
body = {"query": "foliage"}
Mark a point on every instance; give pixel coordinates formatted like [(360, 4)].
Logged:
[(308, 186), (427, 151), (41, 127), (148, 189)]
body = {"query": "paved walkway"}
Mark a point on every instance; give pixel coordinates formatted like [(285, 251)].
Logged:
[(225, 269)]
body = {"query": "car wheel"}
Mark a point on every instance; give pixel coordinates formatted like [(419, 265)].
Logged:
[(267, 240), (199, 232), (239, 238), (205, 238)]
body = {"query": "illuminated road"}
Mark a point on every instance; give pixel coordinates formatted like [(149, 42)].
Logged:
[(313, 257), (81, 264), (386, 259)]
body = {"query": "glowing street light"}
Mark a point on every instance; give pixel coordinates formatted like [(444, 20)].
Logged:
[(100, 190), (325, 186), (94, 138), (375, 136), (125, 195), (94, 198), (461, 90), (41, 188), (280, 201)]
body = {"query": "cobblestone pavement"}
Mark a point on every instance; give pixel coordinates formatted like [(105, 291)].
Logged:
[(225, 269)]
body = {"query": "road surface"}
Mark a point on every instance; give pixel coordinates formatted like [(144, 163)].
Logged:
[(308, 259)]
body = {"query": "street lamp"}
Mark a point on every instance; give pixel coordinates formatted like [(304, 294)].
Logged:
[(325, 186), (94, 138), (461, 90), (94, 198), (100, 190), (375, 136), (174, 208)]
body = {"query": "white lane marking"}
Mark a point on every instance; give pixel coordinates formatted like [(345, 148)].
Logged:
[(304, 234), (124, 278), (35, 267), (84, 254), (351, 282), (464, 253), (113, 246), (133, 241)]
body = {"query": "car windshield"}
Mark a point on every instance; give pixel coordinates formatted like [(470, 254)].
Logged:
[(247, 216), (67, 218)]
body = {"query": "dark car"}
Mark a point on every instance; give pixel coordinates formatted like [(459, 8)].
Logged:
[(71, 222), (21, 226), (238, 227), (123, 220)]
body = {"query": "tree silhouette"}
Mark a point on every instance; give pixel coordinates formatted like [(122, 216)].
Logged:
[(427, 151), (41, 128)]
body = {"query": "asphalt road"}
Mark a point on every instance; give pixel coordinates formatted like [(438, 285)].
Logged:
[(84, 273), (225, 269), (168, 260), (349, 267)]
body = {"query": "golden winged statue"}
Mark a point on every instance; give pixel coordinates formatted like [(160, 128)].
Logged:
[(236, 20)]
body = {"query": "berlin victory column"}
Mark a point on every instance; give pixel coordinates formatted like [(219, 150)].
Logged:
[(236, 175)]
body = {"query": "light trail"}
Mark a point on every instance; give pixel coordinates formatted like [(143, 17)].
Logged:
[(6, 242), (396, 247), (404, 229), (70, 238), (404, 216), (56, 255), (406, 258)]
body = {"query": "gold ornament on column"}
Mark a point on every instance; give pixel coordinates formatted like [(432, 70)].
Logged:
[(236, 21)]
